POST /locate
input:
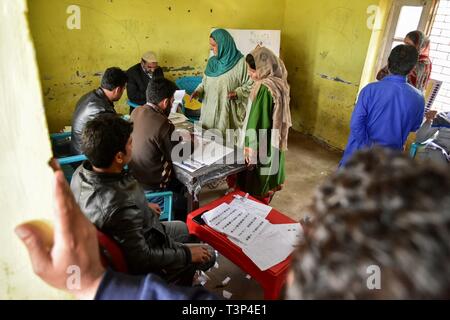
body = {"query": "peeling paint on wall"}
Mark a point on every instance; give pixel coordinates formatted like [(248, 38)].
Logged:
[(325, 44), (117, 35), (337, 79), (175, 69)]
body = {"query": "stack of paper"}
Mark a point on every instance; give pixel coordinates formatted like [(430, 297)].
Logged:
[(206, 153), (177, 118), (243, 221), (235, 223), (251, 206), (274, 245)]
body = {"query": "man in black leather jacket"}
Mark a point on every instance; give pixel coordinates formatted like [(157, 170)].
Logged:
[(98, 101), (115, 202)]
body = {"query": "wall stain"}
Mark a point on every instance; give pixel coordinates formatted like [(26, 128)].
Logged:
[(80, 75), (8, 274), (173, 69), (337, 79), (324, 54)]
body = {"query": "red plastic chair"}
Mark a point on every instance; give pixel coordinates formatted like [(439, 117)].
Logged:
[(111, 254)]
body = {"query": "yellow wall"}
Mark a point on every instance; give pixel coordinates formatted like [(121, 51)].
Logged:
[(376, 42), (321, 40), (118, 32), (329, 38), (25, 179)]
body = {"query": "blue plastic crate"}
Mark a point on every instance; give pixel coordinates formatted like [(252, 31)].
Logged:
[(166, 214)]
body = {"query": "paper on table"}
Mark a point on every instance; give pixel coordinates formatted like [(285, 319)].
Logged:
[(251, 206), (209, 152), (274, 249), (292, 232), (206, 153), (273, 245), (190, 165), (243, 226), (177, 118)]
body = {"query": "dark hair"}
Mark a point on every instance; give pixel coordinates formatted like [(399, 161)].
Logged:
[(403, 59), (113, 78), (382, 210), (159, 89), (158, 74), (251, 61), (105, 136), (416, 36)]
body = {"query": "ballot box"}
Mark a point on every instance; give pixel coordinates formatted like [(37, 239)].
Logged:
[(273, 279)]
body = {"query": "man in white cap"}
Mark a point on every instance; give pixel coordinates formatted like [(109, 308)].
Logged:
[(139, 77)]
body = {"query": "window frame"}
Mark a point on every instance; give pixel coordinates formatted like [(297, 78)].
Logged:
[(425, 24)]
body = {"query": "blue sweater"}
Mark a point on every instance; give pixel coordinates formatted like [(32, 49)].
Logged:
[(119, 286), (386, 112)]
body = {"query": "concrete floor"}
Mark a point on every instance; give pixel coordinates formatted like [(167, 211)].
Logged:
[(307, 165)]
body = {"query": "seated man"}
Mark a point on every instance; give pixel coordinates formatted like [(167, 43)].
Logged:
[(390, 244), (115, 202), (388, 110), (98, 101), (151, 163), (139, 76), (435, 134)]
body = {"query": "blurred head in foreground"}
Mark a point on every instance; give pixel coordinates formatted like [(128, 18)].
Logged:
[(381, 230)]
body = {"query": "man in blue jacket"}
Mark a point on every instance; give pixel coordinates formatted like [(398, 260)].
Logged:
[(388, 110)]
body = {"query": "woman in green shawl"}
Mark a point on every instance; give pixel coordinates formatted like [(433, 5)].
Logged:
[(266, 126), (225, 87)]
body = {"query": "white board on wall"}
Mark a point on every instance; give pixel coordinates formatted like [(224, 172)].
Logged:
[(247, 40)]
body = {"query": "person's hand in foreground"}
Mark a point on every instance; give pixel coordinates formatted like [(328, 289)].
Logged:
[(75, 246)]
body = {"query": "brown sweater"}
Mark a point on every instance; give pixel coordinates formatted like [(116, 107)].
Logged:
[(152, 146)]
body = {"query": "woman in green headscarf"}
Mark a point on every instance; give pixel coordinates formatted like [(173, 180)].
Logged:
[(225, 87)]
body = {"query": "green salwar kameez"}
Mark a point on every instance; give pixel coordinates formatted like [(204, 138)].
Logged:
[(269, 174)]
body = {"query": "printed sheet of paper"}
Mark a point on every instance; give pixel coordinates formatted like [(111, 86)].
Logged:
[(209, 152), (273, 250), (190, 165), (273, 245), (251, 206), (240, 225), (177, 118), (206, 153)]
